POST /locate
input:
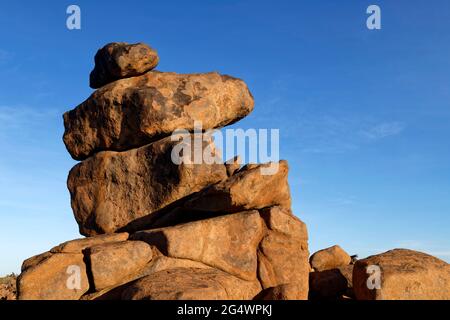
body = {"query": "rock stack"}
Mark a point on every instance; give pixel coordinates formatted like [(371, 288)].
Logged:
[(155, 228)]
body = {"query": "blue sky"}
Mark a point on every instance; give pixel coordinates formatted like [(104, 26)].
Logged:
[(363, 115)]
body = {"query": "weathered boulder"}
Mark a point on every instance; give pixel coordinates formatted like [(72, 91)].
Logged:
[(289, 291), (228, 243), (283, 252), (122, 191), (191, 284), (8, 287), (247, 189), (119, 60), (60, 276), (404, 275), (331, 284), (329, 258), (133, 112), (112, 263), (78, 245)]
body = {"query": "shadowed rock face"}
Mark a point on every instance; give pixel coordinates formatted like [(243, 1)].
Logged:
[(247, 189), (191, 284), (121, 60), (113, 189), (133, 112), (405, 275)]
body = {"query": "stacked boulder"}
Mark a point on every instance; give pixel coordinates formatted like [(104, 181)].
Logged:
[(155, 228)]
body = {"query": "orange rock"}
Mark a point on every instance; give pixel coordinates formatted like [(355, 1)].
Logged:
[(78, 245), (133, 112), (60, 276), (191, 284), (119, 60), (247, 189), (119, 191), (283, 252), (331, 284), (112, 263), (329, 258), (404, 275), (284, 292), (227, 243)]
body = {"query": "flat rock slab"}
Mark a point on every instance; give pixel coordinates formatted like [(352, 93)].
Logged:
[(404, 274), (112, 263), (60, 276), (111, 190), (191, 284), (228, 243), (133, 112), (119, 60), (78, 245)]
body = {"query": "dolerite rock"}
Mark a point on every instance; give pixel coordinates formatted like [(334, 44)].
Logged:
[(247, 189), (404, 274), (119, 60), (161, 220), (283, 252), (133, 112), (329, 258), (332, 284), (49, 278), (112, 263), (290, 291), (191, 284), (227, 243), (113, 189)]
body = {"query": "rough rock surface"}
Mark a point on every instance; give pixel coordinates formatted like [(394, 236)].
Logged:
[(191, 284), (114, 262), (133, 112), (8, 287), (78, 245), (405, 275), (227, 243), (329, 258), (247, 189), (331, 284), (60, 276), (119, 60), (111, 190), (283, 252), (283, 292)]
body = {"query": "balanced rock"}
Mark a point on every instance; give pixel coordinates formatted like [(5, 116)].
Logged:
[(133, 112), (78, 245), (403, 275), (112, 189), (191, 284), (119, 60), (329, 258)]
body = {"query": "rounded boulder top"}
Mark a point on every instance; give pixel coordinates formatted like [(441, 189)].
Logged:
[(120, 60)]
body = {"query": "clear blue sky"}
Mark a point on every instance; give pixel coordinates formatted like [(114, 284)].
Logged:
[(364, 115)]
